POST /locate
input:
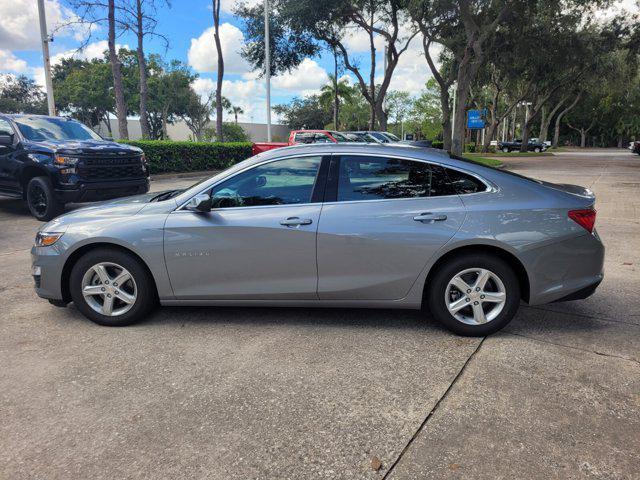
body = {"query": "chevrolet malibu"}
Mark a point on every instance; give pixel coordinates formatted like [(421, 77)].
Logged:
[(331, 225)]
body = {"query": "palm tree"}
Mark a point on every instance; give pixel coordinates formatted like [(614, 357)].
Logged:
[(235, 110), (333, 93)]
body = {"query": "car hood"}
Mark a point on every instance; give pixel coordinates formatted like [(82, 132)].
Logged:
[(79, 147), (120, 207)]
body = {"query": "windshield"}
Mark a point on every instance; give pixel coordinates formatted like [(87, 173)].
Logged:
[(340, 137), (391, 136), (44, 128)]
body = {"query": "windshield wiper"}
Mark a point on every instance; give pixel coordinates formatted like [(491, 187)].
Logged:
[(166, 195)]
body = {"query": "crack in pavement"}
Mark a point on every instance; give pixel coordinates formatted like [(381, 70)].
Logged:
[(433, 410), (595, 352)]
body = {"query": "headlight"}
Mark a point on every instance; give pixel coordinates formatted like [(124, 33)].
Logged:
[(64, 160), (46, 239)]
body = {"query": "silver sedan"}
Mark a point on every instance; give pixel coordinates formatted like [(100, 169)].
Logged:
[(374, 226)]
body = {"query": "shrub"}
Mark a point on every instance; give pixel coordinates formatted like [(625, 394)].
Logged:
[(437, 144), (169, 156), (232, 132)]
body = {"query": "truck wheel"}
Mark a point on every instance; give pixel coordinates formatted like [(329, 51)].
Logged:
[(537, 149), (41, 199), (505, 149)]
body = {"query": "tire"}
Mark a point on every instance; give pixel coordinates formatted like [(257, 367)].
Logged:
[(505, 149), (537, 149), (139, 290), (41, 199), (439, 287)]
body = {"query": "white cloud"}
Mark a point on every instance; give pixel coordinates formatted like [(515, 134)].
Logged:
[(356, 40), (19, 24), (248, 94), (306, 79), (10, 63), (91, 51), (203, 57), (230, 5)]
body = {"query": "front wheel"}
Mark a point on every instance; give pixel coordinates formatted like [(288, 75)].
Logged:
[(537, 149), (505, 149), (41, 199), (111, 288), (474, 294)]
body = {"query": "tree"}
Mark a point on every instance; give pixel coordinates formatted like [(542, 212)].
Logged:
[(216, 37), (311, 27), (118, 90), (333, 94), (83, 90), (424, 116), (235, 110), (139, 16), (304, 113), (397, 107), (197, 114), (21, 95)]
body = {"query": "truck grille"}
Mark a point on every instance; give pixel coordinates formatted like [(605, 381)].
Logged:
[(111, 168)]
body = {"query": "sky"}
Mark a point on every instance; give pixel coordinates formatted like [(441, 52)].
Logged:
[(188, 26)]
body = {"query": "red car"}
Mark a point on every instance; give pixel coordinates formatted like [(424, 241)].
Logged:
[(297, 137)]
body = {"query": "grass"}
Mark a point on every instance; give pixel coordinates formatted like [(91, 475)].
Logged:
[(489, 162), (512, 154)]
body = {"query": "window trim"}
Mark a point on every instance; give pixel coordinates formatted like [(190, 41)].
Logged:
[(324, 158), (490, 188)]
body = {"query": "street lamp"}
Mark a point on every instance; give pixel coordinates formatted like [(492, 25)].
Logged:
[(267, 66)]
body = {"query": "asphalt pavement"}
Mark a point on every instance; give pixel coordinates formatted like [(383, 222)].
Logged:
[(238, 393)]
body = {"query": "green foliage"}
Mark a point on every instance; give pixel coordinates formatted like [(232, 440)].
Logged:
[(21, 95), (167, 156), (232, 132), (305, 112), (425, 115)]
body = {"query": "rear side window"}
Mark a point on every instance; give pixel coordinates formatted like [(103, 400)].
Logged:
[(5, 128), (376, 178), (463, 183)]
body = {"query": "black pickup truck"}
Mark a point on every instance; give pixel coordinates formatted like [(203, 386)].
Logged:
[(50, 161), (516, 144)]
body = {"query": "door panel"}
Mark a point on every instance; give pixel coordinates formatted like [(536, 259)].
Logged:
[(386, 218), (376, 250), (243, 253)]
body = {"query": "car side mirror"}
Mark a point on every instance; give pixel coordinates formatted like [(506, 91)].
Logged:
[(200, 203), (6, 139)]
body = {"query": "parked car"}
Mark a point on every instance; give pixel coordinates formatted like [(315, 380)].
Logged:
[(547, 143), (379, 137), (362, 137), (297, 137), (331, 225), (51, 161), (635, 147), (515, 145)]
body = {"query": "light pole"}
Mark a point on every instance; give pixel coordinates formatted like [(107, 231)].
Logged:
[(45, 54), (267, 66), (453, 114)]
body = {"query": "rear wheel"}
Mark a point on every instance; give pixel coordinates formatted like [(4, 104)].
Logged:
[(111, 288), (474, 294), (41, 199), (505, 149), (537, 149)]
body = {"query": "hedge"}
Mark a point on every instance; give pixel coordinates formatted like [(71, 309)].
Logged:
[(169, 156)]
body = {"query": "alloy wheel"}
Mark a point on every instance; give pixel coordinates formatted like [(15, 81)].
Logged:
[(38, 199), (109, 289), (475, 296)]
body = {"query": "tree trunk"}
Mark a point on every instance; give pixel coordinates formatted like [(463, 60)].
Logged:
[(118, 89), (583, 138), (216, 36), (165, 114), (546, 122), (445, 98), (462, 93), (142, 66), (372, 82), (556, 133)]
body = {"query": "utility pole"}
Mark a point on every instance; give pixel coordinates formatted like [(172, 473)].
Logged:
[(267, 66), (45, 54)]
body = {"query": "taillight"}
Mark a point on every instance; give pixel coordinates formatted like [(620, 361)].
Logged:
[(586, 218)]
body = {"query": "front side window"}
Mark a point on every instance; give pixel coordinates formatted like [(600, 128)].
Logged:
[(282, 182), (44, 128), (377, 178), (5, 128)]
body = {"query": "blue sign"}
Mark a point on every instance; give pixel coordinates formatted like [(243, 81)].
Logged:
[(475, 119)]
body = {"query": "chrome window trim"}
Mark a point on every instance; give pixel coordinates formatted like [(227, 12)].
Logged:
[(321, 155), (491, 188)]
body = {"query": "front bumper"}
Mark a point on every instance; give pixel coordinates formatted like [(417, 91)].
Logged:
[(46, 269), (97, 191)]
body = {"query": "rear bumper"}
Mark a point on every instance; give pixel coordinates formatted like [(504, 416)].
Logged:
[(96, 191), (567, 270)]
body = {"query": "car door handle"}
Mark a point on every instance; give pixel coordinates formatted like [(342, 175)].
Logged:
[(428, 217), (295, 221)]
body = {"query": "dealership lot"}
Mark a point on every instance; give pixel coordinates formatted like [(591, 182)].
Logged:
[(300, 393)]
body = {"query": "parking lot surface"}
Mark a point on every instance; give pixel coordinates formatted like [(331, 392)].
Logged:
[(225, 393)]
